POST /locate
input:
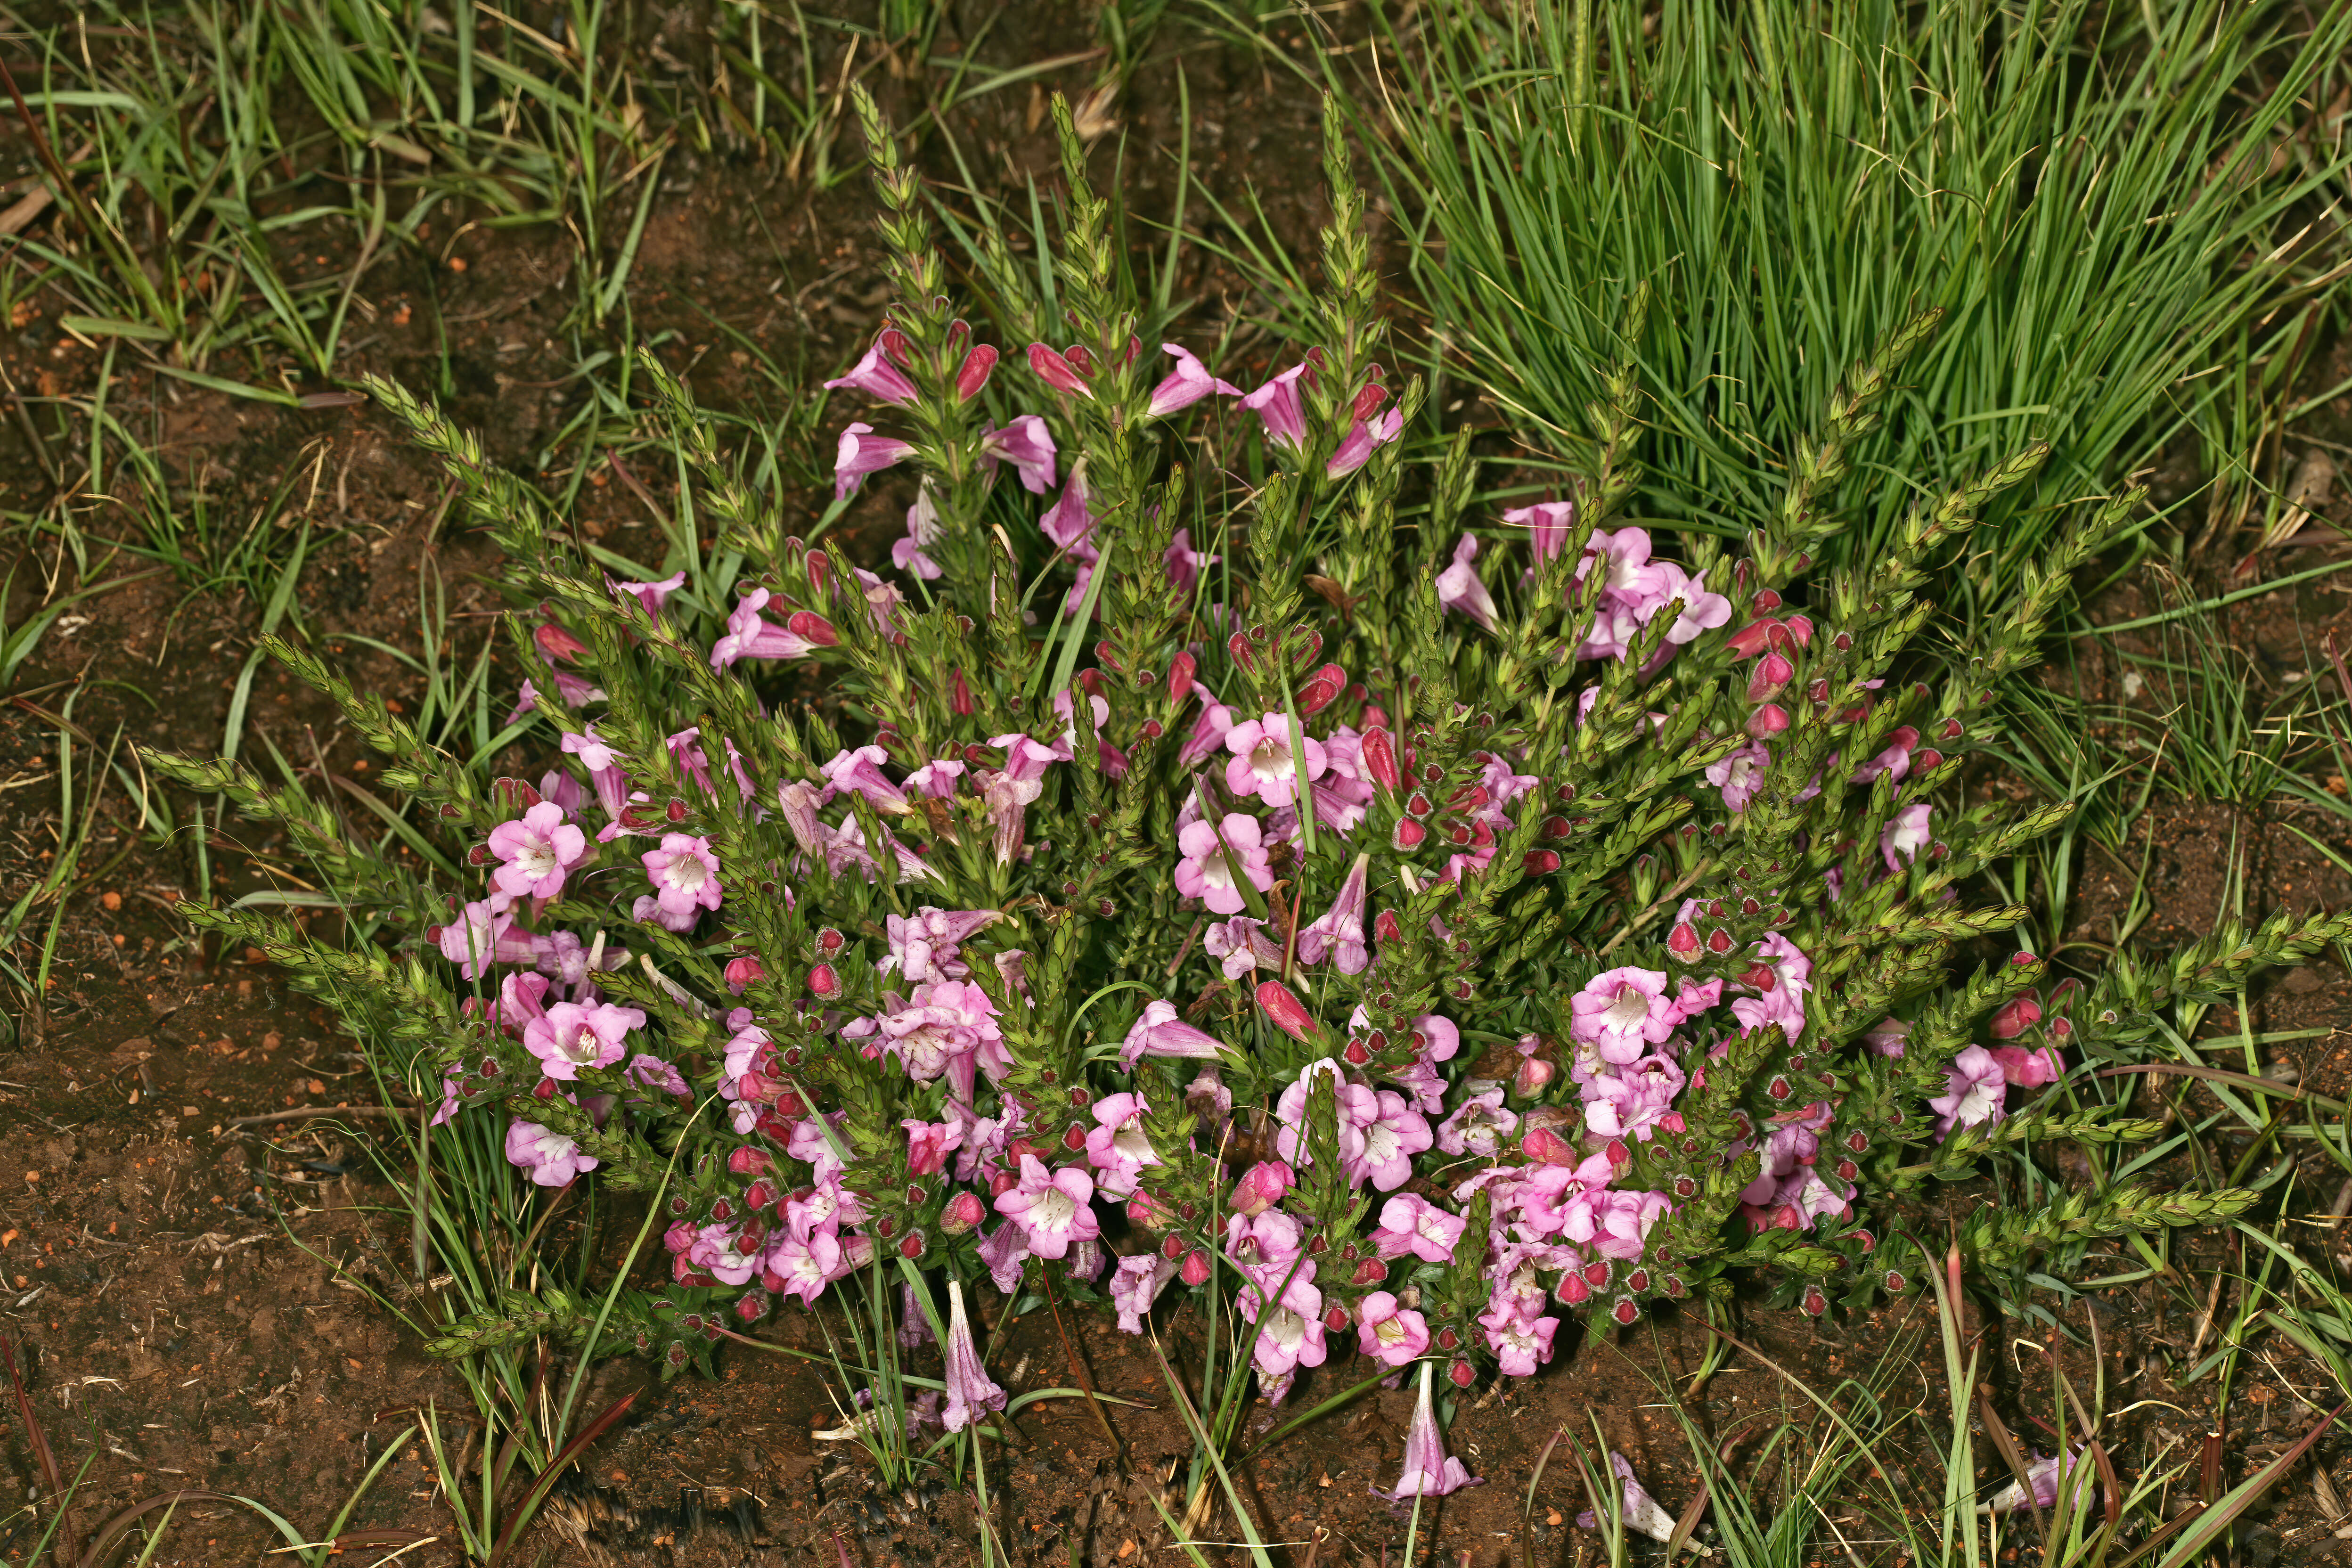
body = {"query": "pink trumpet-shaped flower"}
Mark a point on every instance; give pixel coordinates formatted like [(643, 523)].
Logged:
[(1338, 932), (750, 635), (1186, 385), (970, 1388), (861, 453), (1356, 448), (1428, 1471), (923, 530), (877, 377), (1277, 406), (1550, 525), (1390, 1333), (1028, 446), (552, 1159), (685, 874), (1459, 588), (1160, 1032)]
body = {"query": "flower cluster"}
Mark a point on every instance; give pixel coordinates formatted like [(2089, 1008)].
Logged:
[(1432, 946)]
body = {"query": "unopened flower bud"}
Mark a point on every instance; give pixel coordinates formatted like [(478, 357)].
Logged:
[(823, 983), (1814, 1302), (1286, 1012), (972, 374), (1532, 1075), (964, 1211), (1546, 1147), (1683, 942), (810, 626), (1461, 1372), (1195, 1270), (1768, 720), (1627, 1311), (1378, 753), (1261, 1187)]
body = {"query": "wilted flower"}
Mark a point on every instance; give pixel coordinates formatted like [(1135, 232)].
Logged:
[(970, 1388), (1428, 1471)]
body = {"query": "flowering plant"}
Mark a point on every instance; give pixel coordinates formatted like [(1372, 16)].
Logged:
[(1434, 925)]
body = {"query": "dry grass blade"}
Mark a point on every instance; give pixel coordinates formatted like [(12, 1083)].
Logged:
[(42, 1453)]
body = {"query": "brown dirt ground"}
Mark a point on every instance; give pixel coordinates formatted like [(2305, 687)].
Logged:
[(186, 1285)]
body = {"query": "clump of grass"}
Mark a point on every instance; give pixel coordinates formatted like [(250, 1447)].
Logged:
[(2103, 201)]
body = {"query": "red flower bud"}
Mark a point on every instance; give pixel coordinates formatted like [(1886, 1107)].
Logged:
[(1386, 927), (1321, 689), (558, 644), (1180, 676), (1683, 942), (1768, 720), (1539, 862), (1356, 1052), (1195, 1272), (1547, 1147), (1286, 1012), (810, 626), (1380, 757), (823, 981), (1618, 1155), (1238, 645), (1814, 1302), (1638, 1279), (1463, 1374), (964, 1212), (1532, 1075), (2018, 1016), (959, 695), (1056, 371), (1335, 1320), (1409, 837), (973, 374), (829, 942), (1571, 1290), (1686, 1188), (1627, 1311)]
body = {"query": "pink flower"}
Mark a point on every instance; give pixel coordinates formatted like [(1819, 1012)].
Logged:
[(970, 1388), (1028, 446), (1621, 1011), (1186, 385), (928, 1144), (1288, 1341), (483, 935), (1212, 871), (2027, 1070), (1410, 1222), (923, 530), (861, 772), (1550, 524), (1269, 1250), (877, 377), (801, 1263), (1263, 763), (1362, 437), (685, 874), (1118, 1147), (1906, 836), (1458, 588), (1390, 1138), (715, 1253), (862, 453), (751, 636), (1261, 1187), (1479, 1126), (1243, 944), (1135, 1285), (1068, 522), (1338, 932), (1183, 563), (569, 1036), (536, 851), (552, 1159), (1389, 1333), (1053, 1206), (1741, 774), (652, 595), (924, 945), (1616, 1223), (1975, 1089), (1279, 409), (1359, 1106), (1428, 1471), (1639, 1510), (1159, 1032), (1520, 1344), (2043, 1480)]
